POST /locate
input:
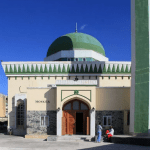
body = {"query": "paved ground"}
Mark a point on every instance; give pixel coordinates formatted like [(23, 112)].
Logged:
[(8, 142)]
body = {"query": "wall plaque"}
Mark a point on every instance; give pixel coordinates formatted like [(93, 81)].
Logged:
[(42, 101)]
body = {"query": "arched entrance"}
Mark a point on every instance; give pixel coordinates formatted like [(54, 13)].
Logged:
[(75, 119)]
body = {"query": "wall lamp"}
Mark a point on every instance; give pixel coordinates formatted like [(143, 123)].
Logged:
[(76, 79), (58, 108), (93, 109)]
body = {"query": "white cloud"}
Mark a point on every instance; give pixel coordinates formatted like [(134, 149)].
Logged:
[(83, 26)]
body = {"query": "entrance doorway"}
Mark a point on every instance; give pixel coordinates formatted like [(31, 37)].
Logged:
[(75, 119), (79, 123)]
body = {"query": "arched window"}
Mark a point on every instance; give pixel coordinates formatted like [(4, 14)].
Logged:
[(20, 112), (67, 107)]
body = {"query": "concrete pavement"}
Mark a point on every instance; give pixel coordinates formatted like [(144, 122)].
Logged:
[(10, 142)]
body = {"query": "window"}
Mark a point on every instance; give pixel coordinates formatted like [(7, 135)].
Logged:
[(107, 120), (75, 105), (76, 59), (84, 59), (20, 112), (69, 59), (44, 121), (67, 107), (83, 107)]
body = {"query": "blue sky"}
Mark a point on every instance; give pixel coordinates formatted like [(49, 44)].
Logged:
[(28, 27)]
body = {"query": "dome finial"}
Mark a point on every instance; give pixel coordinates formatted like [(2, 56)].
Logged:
[(76, 27)]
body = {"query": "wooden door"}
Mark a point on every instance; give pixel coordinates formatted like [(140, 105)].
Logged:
[(71, 122), (63, 125), (88, 125)]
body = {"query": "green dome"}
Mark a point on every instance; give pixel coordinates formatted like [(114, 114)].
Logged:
[(75, 41)]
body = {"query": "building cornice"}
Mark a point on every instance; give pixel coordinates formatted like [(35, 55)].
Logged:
[(50, 68)]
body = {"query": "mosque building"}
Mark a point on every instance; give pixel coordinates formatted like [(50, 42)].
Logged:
[(70, 92)]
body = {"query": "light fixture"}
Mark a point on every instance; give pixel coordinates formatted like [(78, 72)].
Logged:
[(58, 108), (93, 109), (76, 79)]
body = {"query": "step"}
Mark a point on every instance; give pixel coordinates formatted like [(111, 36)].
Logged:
[(74, 138), (70, 138)]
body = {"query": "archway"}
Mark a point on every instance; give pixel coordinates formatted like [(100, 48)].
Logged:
[(75, 118)]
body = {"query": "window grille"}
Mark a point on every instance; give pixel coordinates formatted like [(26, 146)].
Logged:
[(107, 120), (44, 121), (20, 112)]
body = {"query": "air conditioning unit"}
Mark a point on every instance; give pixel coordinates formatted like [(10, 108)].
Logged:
[(51, 85)]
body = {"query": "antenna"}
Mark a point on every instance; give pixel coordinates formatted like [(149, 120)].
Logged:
[(76, 27)]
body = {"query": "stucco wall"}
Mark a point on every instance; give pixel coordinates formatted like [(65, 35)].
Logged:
[(119, 82), (2, 105), (19, 85), (48, 94), (80, 89), (113, 98)]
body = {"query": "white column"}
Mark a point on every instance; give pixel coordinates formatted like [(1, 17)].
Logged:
[(92, 123), (59, 122), (132, 90)]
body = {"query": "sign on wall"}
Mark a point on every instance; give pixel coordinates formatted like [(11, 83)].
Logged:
[(42, 101)]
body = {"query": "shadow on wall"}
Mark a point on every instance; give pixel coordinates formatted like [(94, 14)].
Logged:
[(13, 115), (51, 112), (37, 121)]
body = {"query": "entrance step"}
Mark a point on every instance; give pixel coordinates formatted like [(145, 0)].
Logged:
[(74, 138), (70, 138)]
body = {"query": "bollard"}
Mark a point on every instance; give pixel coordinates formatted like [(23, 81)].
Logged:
[(95, 138)]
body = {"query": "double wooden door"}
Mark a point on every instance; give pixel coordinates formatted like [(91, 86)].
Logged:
[(69, 117), (69, 122)]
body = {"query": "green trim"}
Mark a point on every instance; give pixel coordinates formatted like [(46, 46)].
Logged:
[(113, 69), (19, 69), (6, 69), (22, 77), (45, 69), (15, 78), (23, 70), (32, 69), (41, 69), (28, 69), (35, 78), (11, 71), (70, 69), (76, 92)]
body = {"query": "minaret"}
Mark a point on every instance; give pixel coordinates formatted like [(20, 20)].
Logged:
[(76, 28)]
